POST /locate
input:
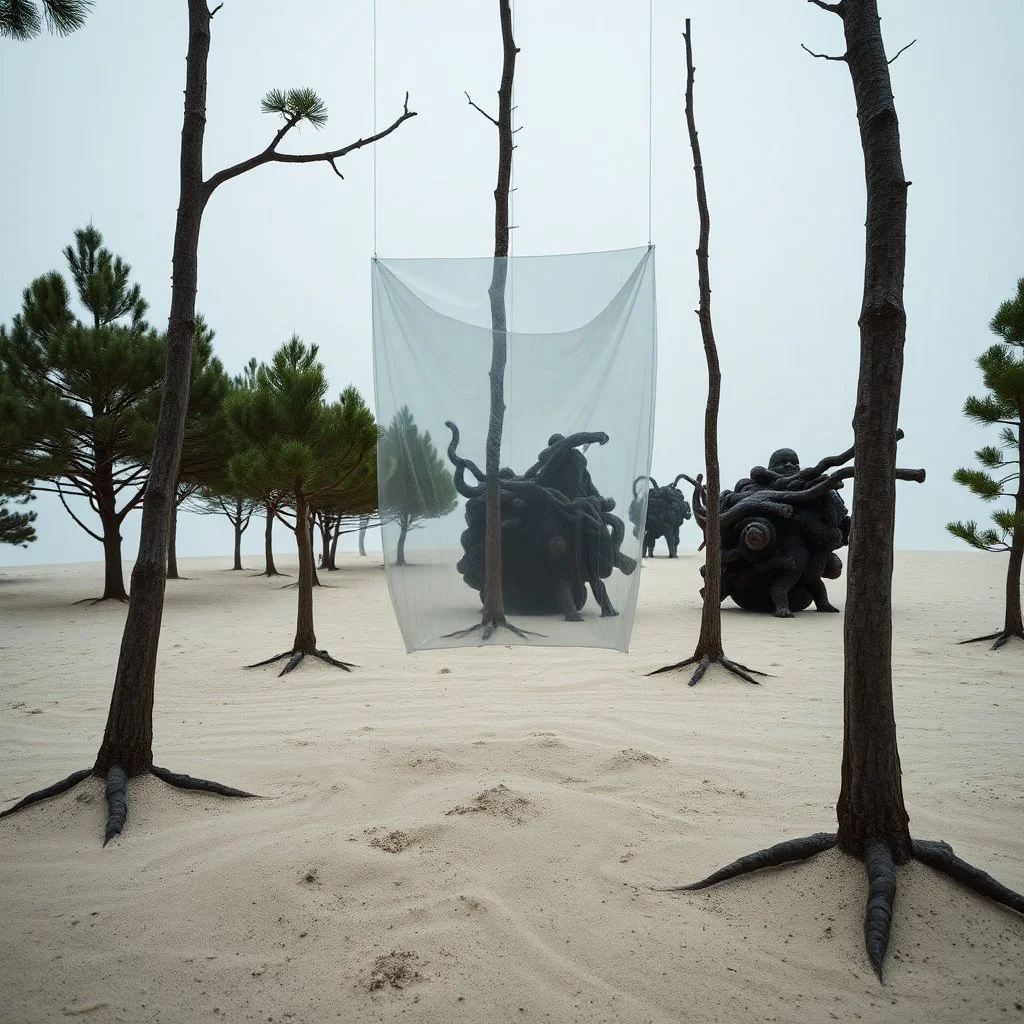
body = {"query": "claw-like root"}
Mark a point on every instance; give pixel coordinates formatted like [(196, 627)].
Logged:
[(117, 802), (881, 894), (202, 785), (294, 657), (705, 661), (55, 790), (781, 853), (940, 856)]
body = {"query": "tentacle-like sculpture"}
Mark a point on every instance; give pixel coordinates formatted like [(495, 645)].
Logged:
[(559, 534)]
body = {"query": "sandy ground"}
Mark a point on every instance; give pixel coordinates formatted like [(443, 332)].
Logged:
[(474, 835)]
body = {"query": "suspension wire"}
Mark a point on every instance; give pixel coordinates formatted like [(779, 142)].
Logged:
[(650, 121), (374, 148)]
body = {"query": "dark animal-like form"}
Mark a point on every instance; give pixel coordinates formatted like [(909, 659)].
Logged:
[(667, 510), (558, 534), (781, 528)]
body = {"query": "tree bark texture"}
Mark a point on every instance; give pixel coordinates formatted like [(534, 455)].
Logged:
[(236, 522), (128, 737), (268, 544), (870, 807), (110, 523), (172, 544), (709, 643), (1013, 623), (305, 637), (493, 596)]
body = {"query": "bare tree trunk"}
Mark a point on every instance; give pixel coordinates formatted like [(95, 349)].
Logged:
[(403, 533), (305, 636), (172, 544), (268, 544), (335, 534), (493, 596), (325, 542), (363, 524), (709, 643), (237, 524), (1013, 624), (106, 505), (311, 533), (128, 738), (870, 808)]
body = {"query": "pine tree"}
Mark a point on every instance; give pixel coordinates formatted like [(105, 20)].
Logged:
[(15, 527), (22, 19), (98, 379), (298, 451), (416, 483), (1002, 369)]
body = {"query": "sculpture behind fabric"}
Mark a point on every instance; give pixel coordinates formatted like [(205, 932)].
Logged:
[(667, 510), (558, 534)]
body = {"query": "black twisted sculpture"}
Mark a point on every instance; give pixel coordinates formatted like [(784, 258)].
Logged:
[(781, 528), (558, 534), (667, 510)]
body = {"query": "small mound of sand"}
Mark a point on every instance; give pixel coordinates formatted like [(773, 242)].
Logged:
[(394, 970), (500, 801), (392, 842), (630, 757)]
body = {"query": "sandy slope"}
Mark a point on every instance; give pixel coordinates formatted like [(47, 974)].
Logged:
[(473, 835)]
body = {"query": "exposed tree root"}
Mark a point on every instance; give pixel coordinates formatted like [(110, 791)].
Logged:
[(490, 628), (881, 879), (881, 894), (55, 790), (704, 662), (117, 802), (781, 853), (117, 793), (90, 601), (940, 856), (200, 785), (1000, 638), (294, 657)]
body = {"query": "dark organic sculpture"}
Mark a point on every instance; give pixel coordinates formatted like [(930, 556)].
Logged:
[(667, 510), (781, 528), (558, 534)]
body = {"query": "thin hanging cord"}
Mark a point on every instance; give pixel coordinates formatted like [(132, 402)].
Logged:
[(374, 148), (650, 121)]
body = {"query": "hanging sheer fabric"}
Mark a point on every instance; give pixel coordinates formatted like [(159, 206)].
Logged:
[(579, 383)]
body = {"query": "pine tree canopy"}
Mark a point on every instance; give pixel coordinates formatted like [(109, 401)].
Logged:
[(293, 443), (1002, 371), (416, 482), (22, 19)]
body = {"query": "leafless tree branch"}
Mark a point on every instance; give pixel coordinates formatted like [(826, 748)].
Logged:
[(836, 8), (907, 47), (493, 120), (823, 56)]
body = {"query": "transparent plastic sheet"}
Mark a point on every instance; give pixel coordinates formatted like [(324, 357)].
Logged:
[(581, 357)]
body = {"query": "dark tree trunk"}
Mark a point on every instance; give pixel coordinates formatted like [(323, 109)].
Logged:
[(106, 505), (493, 596), (311, 534), (335, 534), (403, 533), (305, 637), (325, 543), (709, 643), (236, 522), (870, 807), (128, 738), (268, 544), (172, 544), (1013, 624)]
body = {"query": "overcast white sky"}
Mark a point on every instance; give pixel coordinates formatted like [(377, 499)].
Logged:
[(91, 127)]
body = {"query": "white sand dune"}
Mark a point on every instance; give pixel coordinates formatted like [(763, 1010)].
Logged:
[(474, 835)]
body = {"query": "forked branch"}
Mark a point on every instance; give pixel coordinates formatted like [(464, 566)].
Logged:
[(271, 155)]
